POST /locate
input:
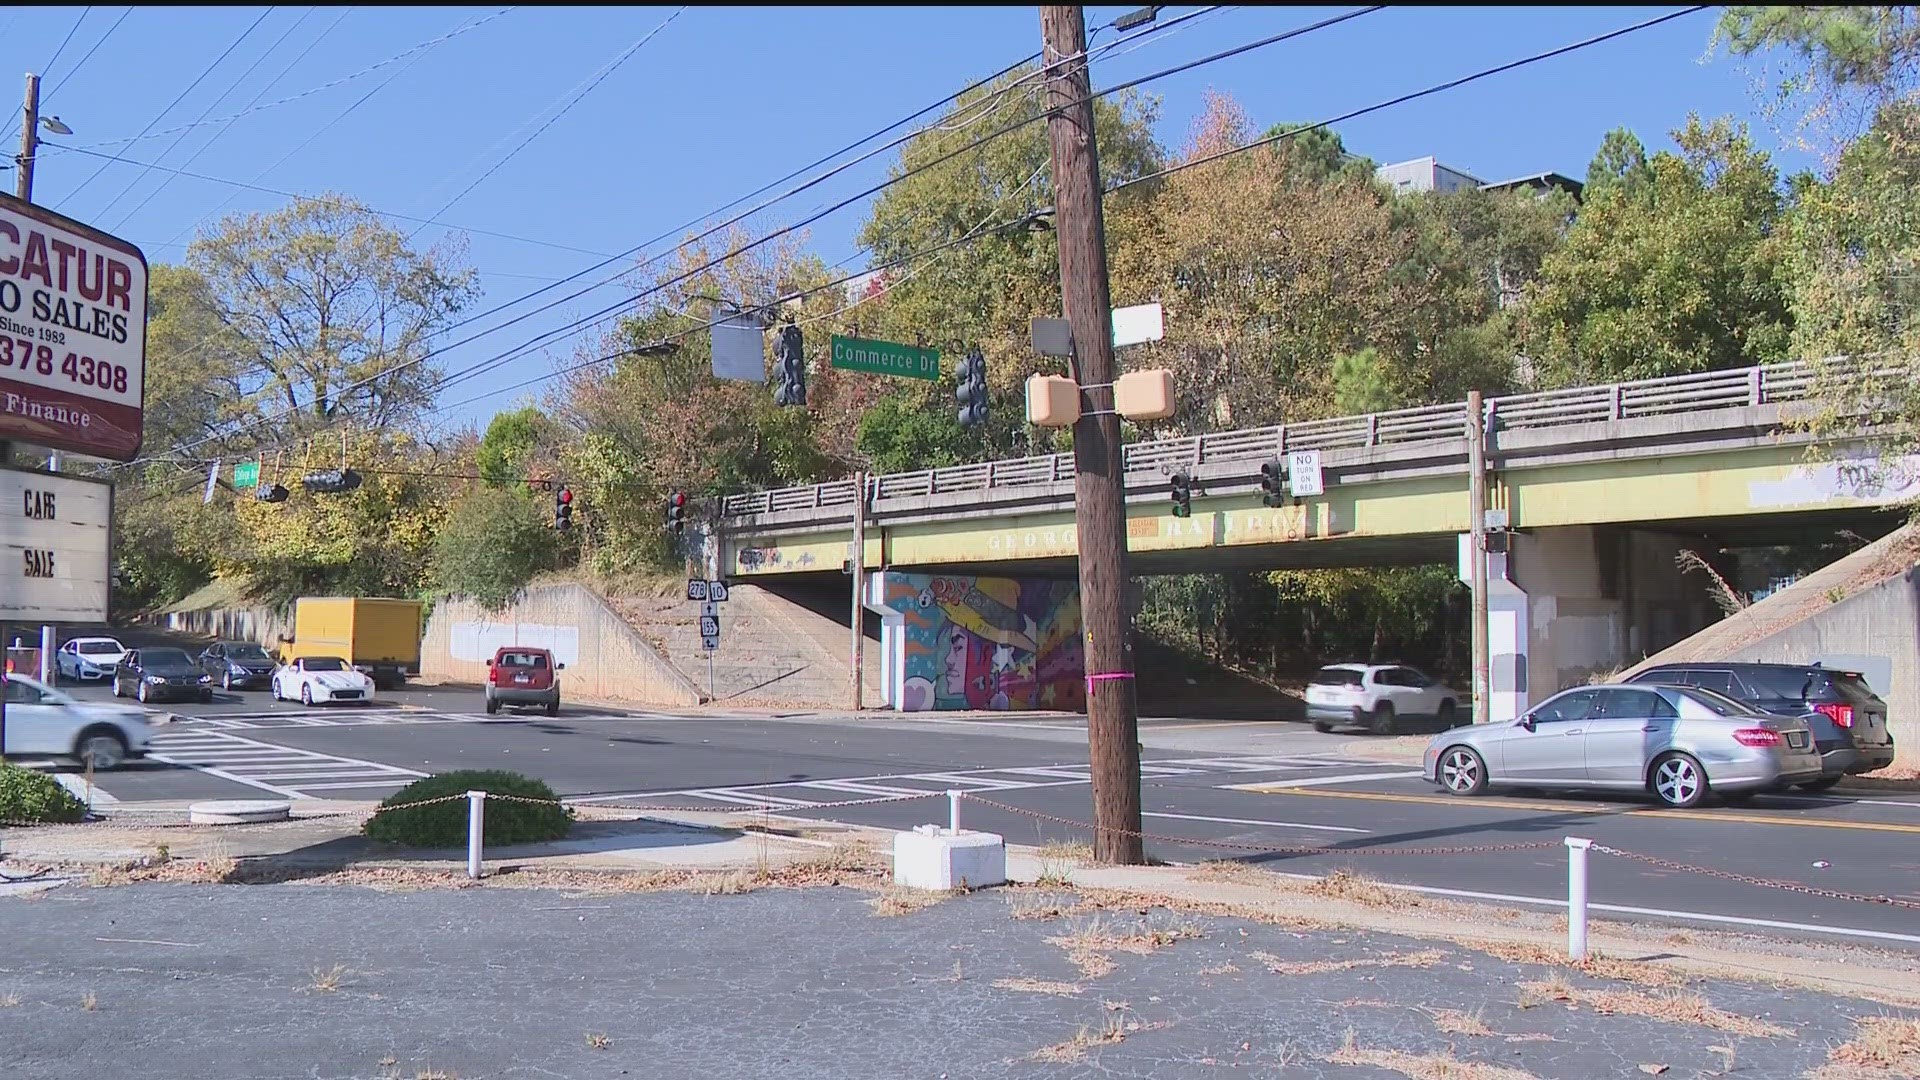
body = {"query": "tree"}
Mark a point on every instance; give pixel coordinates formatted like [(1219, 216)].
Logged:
[(505, 451), (320, 298), (896, 436), (1621, 164), (194, 361), (493, 543), (1680, 275)]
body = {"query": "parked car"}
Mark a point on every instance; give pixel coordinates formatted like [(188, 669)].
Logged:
[(1848, 720), (317, 679), (161, 673), (43, 722), (87, 659), (1680, 743), (236, 665), (1378, 697), (523, 677)]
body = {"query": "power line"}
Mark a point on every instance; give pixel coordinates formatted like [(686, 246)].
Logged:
[(48, 68), (208, 70), (736, 219), (579, 94), (75, 70)]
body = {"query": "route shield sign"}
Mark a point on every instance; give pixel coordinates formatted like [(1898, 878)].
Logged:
[(885, 358), (709, 626), (696, 589), (717, 591), (73, 334)]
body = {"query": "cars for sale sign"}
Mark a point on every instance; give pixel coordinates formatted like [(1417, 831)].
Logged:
[(73, 334)]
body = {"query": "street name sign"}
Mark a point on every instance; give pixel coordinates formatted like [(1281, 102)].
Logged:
[(53, 547), (885, 358), (246, 475), (73, 334)]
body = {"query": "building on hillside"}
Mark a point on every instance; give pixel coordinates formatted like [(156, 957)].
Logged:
[(1427, 174)]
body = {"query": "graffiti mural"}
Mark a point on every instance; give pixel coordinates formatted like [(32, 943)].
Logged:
[(987, 643)]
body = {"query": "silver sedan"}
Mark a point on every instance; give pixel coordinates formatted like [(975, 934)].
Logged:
[(1680, 743)]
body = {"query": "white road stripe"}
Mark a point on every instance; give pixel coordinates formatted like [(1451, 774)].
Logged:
[(1250, 821), (1323, 781)]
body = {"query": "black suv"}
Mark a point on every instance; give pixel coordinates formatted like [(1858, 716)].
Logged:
[(161, 673), (1848, 720)]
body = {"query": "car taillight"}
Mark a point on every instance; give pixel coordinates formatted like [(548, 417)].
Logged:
[(1839, 714), (1757, 736), (493, 675)]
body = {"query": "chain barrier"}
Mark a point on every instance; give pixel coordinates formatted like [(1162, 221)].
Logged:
[(1765, 883)]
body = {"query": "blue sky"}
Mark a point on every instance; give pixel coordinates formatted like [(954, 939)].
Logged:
[(723, 100)]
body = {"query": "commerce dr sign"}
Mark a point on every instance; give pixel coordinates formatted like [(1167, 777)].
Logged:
[(73, 334)]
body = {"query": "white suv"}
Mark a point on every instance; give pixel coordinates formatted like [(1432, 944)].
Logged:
[(1377, 696)]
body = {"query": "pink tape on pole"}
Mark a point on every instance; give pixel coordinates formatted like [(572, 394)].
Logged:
[(1106, 676)]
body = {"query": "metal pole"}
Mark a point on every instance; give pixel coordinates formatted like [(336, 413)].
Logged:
[(1477, 553), (476, 825), (859, 562), (29, 138), (953, 811), (1099, 493), (46, 656), (1577, 897), (710, 694)]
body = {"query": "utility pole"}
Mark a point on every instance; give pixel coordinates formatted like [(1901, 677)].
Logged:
[(1477, 551), (858, 555), (1099, 493), (29, 138)]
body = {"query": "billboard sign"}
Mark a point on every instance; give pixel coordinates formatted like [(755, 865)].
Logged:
[(73, 334), (53, 547)]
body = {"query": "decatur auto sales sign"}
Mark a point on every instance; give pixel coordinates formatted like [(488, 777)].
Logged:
[(73, 334)]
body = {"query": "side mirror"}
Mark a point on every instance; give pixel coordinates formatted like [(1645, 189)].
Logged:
[(1527, 722), (559, 667), (489, 663)]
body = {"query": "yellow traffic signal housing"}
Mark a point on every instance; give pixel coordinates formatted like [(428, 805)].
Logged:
[(1052, 401), (1144, 395)]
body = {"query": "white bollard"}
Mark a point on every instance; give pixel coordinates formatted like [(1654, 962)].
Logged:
[(476, 825), (1577, 897), (953, 812)]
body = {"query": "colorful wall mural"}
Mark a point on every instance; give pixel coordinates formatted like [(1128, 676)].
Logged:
[(983, 643)]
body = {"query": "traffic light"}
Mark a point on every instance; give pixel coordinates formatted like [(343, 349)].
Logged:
[(563, 509), (789, 367), (970, 389), (271, 493), (331, 481), (1272, 487), (1182, 485), (677, 511)]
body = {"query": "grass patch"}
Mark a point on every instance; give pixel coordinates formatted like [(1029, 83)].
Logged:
[(1028, 904), (1422, 1066), (598, 1041), (1356, 888), (327, 980), (1037, 986), (1456, 1022), (1425, 958), (1595, 965), (10, 999), (1882, 1046), (895, 902), (1113, 1030), (89, 1001), (1089, 944), (1066, 851), (1671, 1006)]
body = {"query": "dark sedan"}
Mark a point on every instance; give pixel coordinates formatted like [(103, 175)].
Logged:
[(161, 674), (237, 665)]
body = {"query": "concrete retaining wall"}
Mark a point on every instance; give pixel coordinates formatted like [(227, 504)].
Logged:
[(257, 624), (774, 649), (606, 658)]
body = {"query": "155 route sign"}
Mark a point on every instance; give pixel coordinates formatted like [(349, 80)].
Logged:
[(73, 334), (885, 358)]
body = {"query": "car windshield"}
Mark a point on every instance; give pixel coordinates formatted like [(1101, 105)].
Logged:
[(1719, 704), (246, 652), (1336, 676), (99, 648), (523, 659), (165, 658), (324, 663)]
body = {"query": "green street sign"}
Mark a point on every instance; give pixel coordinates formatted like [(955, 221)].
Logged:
[(885, 358), (246, 474)]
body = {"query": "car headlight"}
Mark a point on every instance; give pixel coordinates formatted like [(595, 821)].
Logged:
[(156, 679), (206, 678), (362, 669)]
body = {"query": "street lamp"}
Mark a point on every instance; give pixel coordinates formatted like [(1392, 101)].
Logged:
[(53, 124)]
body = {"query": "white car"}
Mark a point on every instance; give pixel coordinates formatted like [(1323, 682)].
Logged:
[(312, 680), (43, 722), (87, 659), (1378, 697)]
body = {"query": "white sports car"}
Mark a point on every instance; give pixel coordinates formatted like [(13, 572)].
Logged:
[(88, 658), (312, 680)]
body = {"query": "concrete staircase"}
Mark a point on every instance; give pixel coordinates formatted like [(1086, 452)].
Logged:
[(786, 648)]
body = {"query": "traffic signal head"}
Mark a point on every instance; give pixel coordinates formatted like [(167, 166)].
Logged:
[(970, 389), (563, 509), (331, 481), (677, 511), (1182, 491), (789, 367), (272, 493), (1272, 486)]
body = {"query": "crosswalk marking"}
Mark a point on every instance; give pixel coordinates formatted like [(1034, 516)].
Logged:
[(282, 770)]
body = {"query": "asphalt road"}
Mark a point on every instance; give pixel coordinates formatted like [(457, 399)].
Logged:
[(1273, 793)]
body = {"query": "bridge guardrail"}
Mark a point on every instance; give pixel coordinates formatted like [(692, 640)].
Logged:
[(1668, 395)]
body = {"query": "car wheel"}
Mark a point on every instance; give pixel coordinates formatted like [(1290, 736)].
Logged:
[(306, 695), (1821, 784), (1679, 781), (1462, 771), (553, 707), (1449, 715), (101, 750), (1382, 720), (140, 695), (116, 689), (226, 681), (492, 706), (1322, 726)]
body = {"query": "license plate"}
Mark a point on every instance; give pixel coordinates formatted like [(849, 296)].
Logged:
[(1797, 740), (343, 694), (523, 678)]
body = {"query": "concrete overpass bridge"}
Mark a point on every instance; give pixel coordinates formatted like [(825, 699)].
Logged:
[(1598, 488)]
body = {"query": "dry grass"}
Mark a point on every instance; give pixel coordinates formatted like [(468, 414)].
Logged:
[(1639, 973), (1037, 986), (1456, 1022), (10, 999), (1423, 959), (1089, 944), (327, 980), (1671, 1006), (1228, 968), (1360, 889), (1054, 875), (1423, 1066), (1883, 1047), (598, 1041), (1231, 870), (89, 1001), (1066, 851), (895, 901), (1115, 1029), (1027, 903), (435, 1074)]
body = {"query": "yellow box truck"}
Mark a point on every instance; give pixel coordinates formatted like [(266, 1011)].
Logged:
[(380, 637)]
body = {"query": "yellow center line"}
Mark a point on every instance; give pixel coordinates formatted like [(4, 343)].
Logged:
[(1575, 808)]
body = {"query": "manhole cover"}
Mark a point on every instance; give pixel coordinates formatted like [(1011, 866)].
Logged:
[(238, 811)]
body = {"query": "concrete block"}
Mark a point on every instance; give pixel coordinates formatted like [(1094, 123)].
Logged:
[(238, 811), (940, 860)]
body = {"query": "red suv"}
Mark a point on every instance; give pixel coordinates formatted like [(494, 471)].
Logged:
[(521, 676)]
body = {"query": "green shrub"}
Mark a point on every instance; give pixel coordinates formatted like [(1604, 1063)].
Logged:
[(26, 795), (444, 824)]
